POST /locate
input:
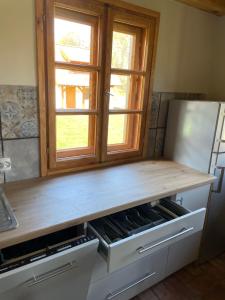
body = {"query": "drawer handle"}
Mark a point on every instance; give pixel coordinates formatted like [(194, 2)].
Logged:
[(51, 274), (113, 295), (182, 232)]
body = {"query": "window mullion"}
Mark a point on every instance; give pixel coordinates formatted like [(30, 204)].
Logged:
[(106, 63)]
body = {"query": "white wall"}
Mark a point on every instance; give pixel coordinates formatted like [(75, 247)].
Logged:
[(185, 48), (17, 42), (218, 78)]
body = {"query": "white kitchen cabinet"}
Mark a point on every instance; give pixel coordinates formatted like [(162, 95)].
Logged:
[(183, 252), (131, 265), (100, 269), (194, 199), (130, 249), (131, 280), (63, 273)]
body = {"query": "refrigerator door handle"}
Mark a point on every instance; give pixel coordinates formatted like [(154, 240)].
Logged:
[(220, 183)]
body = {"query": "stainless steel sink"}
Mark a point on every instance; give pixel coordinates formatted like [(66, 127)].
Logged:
[(7, 218)]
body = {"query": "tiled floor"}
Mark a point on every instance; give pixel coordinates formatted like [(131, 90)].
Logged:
[(195, 282)]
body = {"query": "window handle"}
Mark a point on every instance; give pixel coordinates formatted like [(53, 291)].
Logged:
[(109, 94)]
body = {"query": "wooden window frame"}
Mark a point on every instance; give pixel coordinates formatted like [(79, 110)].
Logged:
[(137, 70), (106, 12)]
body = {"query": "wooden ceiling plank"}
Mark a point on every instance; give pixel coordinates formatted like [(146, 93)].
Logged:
[(216, 7)]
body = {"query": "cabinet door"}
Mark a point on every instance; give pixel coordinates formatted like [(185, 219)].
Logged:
[(65, 275), (183, 253), (131, 280), (194, 199)]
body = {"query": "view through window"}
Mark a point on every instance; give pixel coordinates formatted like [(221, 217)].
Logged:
[(98, 62)]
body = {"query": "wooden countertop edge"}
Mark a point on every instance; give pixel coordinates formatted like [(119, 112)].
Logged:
[(51, 229)]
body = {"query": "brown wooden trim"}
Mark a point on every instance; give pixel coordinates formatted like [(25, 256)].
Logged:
[(51, 81), (130, 18), (143, 49), (132, 7), (77, 67), (125, 111), (76, 112), (152, 63), (100, 45), (123, 154), (92, 7), (76, 152), (73, 15), (107, 54), (40, 38), (92, 165), (127, 72)]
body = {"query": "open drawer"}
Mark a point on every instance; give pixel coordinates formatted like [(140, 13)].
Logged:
[(55, 266), (134, 233)]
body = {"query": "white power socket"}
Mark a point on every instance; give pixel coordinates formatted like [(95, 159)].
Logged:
[(5, 164)]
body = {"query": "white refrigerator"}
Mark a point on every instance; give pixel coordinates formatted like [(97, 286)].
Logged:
[(196, 137)]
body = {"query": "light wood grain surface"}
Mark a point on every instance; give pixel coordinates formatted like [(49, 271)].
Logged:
[(45, 205)]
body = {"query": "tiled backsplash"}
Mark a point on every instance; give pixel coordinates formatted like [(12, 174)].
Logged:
[(18, 106), (19, 114)]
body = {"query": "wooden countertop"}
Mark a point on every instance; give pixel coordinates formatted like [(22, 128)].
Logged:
[(43, 206)]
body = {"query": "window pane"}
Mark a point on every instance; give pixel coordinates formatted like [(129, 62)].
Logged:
[(117, 129), (72, 41), (123, 131), (123, 50), (126, 92), (75, 90), (74, 132)]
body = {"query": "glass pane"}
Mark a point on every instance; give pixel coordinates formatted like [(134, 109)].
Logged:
[(71, 132), (75, 89), (123, 131), (117, 129), (123, 50), (119, 91), (75, 133), (126, 92), (72, 41)]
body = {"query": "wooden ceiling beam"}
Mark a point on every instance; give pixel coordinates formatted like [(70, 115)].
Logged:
[(216, 7)]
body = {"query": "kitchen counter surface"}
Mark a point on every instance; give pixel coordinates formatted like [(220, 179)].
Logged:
[(45, 205)]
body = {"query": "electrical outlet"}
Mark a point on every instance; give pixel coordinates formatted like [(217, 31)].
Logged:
[(5, 164)]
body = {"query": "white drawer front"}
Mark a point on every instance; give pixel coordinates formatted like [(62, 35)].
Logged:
[(132, 280), (60, 275), (130, 249), (183, 253)]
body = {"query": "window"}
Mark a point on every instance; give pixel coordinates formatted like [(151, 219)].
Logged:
[(126, 88), (95, 71)]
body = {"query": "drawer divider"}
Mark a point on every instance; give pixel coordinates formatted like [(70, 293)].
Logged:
[(182, 232)]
